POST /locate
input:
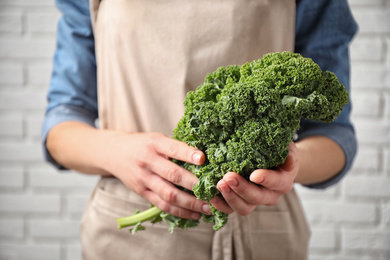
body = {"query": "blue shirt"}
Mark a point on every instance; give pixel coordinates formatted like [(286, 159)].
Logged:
[(324, 29)]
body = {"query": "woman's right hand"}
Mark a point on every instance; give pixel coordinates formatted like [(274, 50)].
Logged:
[(142, 162)]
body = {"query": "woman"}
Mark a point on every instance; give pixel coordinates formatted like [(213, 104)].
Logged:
[(130, 63)]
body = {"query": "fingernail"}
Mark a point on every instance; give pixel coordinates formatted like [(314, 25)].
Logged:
[(254, 177), (196, 157), (257, 180), (206, 209)]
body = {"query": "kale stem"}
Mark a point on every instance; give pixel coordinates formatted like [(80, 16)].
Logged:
[(139, 217)]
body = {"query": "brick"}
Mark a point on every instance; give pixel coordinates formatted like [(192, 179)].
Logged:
[(371, 187), (38, 74), (11, 177), (76, 203), (26, 3), (387, 102), (362, 239), (12, 228), (11, 126), (367, 104), (27, 48), (324, 239), (42, 178), (42, 22), (387, 41), (57, 228), (34, 126), (73, 252), (11, 23), (367, 158), (309, 194), (20, 151), (354, 3), (23, 100), (386, 214), (27, 203), (367, 49), (336, 212), (373, 20), (372, 132), (12, 74), (30, 252), (368, 77)]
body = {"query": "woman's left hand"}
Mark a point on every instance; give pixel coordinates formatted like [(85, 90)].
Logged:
[(264, 188)]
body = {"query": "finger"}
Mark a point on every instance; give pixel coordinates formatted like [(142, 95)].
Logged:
[(282, 178), (265, 197), (221, 205), (172, 172), (234, 200), (248, 191), (169, 208), (172, 196), (277, 180), (179, 150)]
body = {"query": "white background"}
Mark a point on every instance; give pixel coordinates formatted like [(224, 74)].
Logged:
[(40, 208)]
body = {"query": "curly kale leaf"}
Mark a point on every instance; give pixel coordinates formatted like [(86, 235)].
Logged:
[(244, 117)]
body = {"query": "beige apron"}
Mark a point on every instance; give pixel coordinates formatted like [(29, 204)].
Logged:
[(150, 53)]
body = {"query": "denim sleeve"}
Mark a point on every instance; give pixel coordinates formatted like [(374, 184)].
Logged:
[(324, 30), (72, 94)]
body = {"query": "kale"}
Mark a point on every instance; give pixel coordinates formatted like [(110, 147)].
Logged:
[(244, 117)]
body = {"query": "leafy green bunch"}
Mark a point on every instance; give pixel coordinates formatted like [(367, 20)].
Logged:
[(243, 118)]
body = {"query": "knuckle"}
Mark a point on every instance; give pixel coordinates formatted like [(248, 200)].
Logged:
[(278, 186), (143, 157), (242, 187), (141, 190), (141, 163), (170, 196), (195, 205), (180, 213), (256, 201), (173, 151), (164, 206), (173, 175), (153, 140), (231, 200), (245, 212)]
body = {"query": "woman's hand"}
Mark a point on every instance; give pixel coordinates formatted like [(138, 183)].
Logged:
[(142, 162), (265, 188)]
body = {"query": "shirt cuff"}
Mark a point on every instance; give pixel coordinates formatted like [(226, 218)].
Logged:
[(343, 135), (59, 114)]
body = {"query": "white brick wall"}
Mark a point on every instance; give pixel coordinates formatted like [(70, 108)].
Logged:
[(40, 209)]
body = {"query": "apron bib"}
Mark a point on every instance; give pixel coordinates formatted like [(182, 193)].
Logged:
[(149, 54)]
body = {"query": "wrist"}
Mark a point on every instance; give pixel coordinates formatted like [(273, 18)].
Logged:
[(320, 159)]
